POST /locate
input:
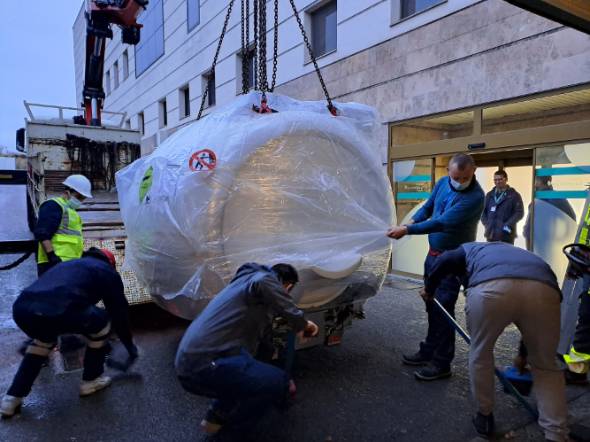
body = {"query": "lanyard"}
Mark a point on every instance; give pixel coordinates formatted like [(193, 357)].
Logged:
[(497, 198)]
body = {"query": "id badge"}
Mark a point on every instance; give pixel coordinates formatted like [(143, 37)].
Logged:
[(493, 209)]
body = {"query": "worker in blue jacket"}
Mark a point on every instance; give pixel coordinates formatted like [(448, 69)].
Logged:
[(63, 300), (449, 217)]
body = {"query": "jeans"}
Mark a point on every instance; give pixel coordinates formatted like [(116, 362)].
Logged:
[(243, 387), (439, 345), (582, 337)]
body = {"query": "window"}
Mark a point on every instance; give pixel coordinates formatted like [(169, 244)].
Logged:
[(162, 113), (193, 14), (116, 74), (127, 123), (411, 7), (140, 123), (209, 82), (323, 29), (184, 100), (151, 45), (249, 59), (107, 81), (125, 65)]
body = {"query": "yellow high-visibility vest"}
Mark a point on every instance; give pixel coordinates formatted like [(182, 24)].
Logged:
[(67, 241)]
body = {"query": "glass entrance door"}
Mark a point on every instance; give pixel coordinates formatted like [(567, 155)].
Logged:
[(562, 176), (412, 184)]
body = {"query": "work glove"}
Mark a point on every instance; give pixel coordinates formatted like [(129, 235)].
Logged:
[(120, 361), (132, 350), (53, 258)]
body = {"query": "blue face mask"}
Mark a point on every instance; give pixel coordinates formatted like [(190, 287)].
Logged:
[(458, 186), (74, 203)]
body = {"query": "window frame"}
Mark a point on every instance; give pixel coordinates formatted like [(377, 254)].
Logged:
[(162, 113), (107, 81), (251, 58), (125, 59), (397, 8), (311, 15), (137, 72), (116, 75), (184, 101), (205, 80), (189, 28), (141, 122)]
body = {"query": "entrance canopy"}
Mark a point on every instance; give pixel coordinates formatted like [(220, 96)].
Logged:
[(573, 13)]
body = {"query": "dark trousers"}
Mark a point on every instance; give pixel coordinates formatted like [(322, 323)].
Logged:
[(243, 387), (45, 330), (582, 337), (439, 345)]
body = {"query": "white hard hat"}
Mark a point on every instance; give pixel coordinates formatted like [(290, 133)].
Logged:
[(80, 184)]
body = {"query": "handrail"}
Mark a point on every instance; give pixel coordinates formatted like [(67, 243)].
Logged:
[(60, 109)]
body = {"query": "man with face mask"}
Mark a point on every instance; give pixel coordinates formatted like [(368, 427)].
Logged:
[(449, 217), (59, 227)]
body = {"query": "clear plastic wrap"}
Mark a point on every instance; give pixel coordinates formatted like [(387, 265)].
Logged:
[(297, 186)]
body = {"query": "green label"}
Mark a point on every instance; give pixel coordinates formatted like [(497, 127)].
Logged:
[(146, 184)]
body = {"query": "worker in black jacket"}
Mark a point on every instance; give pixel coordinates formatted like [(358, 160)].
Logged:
[(503, 208), (215, 356), (63, 300)]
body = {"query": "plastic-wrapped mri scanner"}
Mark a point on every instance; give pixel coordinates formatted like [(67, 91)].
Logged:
[(298, 186)]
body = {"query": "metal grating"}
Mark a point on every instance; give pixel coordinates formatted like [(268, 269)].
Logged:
[(134, 292)]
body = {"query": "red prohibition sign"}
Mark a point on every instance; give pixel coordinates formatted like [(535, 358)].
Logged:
[(204, 159)]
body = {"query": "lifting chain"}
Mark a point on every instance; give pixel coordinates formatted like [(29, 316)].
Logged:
[(259, 50), (262, 79), (275, 51), (212, 72), (245, 45), (255, 44), (331, 107)]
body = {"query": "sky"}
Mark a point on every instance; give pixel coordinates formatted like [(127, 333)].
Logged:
[(37, 53)]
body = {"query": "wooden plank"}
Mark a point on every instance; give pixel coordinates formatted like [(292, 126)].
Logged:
[(103, 223), (99, 208)]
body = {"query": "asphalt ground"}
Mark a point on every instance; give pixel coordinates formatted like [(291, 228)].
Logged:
[(358, 391)]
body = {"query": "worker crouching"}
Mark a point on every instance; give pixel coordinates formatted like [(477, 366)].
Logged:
[(63, 301), (508, 285), (214, 358)]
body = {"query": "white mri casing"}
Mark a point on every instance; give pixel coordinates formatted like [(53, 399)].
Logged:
[(297, 186)]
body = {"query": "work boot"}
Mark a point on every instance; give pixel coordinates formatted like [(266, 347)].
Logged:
[(484, 425), (431, 372), (572, 378), (90, 387), (10, 405), (416, 359), (212, 422)]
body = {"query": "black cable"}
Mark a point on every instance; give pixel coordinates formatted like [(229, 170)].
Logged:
[(17, 262)]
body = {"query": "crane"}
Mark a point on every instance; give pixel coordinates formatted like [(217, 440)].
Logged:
[(100, 16)]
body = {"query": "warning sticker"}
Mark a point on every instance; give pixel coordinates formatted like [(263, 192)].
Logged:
[(204, 159)]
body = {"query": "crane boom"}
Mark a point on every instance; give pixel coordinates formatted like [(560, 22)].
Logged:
[(100, 15)]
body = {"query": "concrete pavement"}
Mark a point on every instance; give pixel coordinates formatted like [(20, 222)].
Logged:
[(358, 391)]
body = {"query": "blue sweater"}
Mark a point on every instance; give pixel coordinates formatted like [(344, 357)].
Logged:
[(449, 217)]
